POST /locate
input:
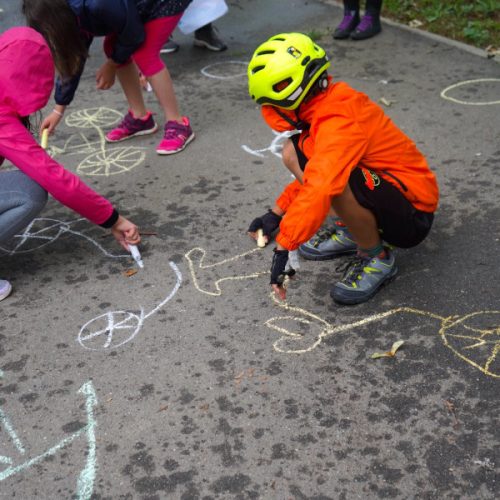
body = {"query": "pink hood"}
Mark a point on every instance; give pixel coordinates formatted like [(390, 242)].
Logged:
[(27, 71)]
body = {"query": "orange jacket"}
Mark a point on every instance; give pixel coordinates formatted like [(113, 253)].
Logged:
[(347, 130)]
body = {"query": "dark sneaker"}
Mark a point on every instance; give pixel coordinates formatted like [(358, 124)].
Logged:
[(5, 289), (170, 47), (329, 243), (130, 127), (363, 278), (347, 25), (177, 137), (368, 27), (208, 37)]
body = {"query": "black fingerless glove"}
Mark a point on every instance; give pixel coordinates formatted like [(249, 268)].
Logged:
[(280, 258), (268, 222)]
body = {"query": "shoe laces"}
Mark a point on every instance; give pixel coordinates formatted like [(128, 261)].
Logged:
[(323, 235), (353, 268), (366, 23), (174, 129)]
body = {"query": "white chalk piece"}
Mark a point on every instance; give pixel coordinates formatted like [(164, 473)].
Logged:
[(45, 138), (136, 255), (261, 240)]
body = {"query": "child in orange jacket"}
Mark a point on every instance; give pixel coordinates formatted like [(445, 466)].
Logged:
[(349, 160)]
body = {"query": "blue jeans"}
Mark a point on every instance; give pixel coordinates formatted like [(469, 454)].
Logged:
[(21, 200)]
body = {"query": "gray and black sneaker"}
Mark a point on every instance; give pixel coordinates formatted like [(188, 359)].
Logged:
[(170, 47), (328, 243), (208, 37), (363, 277)]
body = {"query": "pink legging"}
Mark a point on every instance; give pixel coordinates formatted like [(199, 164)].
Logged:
[(147, 56)]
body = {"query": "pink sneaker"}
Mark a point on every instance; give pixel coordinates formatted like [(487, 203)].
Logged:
[(130, 127), (177, 137)]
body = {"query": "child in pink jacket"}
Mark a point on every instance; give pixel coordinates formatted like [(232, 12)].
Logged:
[(26, 82)]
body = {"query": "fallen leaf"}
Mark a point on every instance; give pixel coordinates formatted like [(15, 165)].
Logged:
[(415, 23), (386, 102), (129, 272), (388, 354)]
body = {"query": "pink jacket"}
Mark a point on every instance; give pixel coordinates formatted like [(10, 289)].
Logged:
[(26, 82)]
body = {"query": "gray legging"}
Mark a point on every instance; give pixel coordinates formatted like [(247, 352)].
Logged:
[(21, 199)]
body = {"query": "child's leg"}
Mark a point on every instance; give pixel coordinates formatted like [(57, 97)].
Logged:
[(147, 58), (291, 160), (128, 75), (21, 199), (360, 221)]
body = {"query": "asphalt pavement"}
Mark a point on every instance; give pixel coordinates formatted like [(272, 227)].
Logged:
[(185, 379)]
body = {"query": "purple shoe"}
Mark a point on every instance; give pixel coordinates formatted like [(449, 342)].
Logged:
[(347, 25), (368, 27), (177, 137), (130, 127)]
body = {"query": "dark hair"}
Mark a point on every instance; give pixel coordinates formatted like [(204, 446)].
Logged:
[(58, 24)]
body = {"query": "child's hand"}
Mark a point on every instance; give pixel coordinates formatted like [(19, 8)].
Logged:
[(50, 122), (268, 222), (105, 77), (126, 232)]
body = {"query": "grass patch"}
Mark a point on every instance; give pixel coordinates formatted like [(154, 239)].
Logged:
[(476, 22)]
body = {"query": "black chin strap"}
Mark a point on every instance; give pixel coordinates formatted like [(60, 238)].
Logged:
[(298, 125)]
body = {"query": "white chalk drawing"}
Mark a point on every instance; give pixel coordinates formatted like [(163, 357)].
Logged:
[(116, 328), (475, 83), (235, 69), (101, 160), (209, 273), (44, 231), (465, 336), (276, 146), (86, 478)]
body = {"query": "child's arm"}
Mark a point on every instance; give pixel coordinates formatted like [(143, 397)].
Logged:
[(19, 147)]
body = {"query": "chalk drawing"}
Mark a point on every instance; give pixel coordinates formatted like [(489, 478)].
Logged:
[(445, 92), (116, 328), (101, 161), (477, 345), (235, 69), (465, 336), (44, 231), (206, 272), (86, 479), (276, 146)]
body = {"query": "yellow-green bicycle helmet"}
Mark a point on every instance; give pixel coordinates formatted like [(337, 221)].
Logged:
[(284, 68)]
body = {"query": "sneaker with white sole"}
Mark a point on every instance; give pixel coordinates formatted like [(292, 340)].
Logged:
[(177, 137), (208, 38), (131, 127), (5, 289), (363, 277), (329, 243)]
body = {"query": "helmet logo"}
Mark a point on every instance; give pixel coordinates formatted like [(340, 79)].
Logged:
[(294, 52)]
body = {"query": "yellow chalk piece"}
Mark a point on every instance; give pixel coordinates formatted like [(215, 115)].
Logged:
[(45, 138), (261, 240)]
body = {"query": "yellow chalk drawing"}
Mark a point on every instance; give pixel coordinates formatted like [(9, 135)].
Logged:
[(100, 161), (477, 345), (473, 83), (302, 331), (196, 258)]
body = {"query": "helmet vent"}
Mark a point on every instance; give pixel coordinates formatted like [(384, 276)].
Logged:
[(257, 69), (306, 60), (278, 87), (264, 52)]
